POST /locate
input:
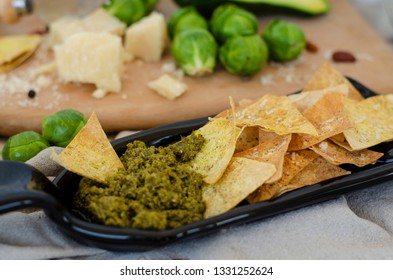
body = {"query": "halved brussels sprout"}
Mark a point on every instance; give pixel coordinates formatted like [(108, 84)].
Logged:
[(229, 20), (244, 55), (23, 146), (60, 128), (186, 18), (195, 51), (285, 40)]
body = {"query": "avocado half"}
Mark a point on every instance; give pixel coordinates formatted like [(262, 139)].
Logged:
[(311, 7)]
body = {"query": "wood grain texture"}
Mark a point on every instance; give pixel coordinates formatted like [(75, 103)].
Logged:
[(138, 107)]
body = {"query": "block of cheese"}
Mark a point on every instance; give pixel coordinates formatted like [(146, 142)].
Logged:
[(63, 28), (97, 21), (90, 57), (147, 38), (101, 21), (168, 87)]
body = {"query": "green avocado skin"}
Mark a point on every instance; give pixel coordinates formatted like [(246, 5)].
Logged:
[(312, 7)]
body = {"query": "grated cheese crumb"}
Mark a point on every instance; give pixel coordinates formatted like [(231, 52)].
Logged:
[(99, 93), (43, 81), (267, 79), (168, 67), (365, 56)]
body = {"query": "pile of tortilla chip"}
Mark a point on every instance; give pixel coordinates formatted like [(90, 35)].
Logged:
[(282, 143), (15, 49), (261, 149)]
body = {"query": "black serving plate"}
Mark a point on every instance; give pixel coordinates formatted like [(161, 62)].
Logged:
[(115, 238)]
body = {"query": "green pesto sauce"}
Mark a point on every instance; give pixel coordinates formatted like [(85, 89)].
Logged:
[(158, 190)]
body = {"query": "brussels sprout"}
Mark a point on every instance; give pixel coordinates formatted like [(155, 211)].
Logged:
[(186, 18), (24, 146), (285, 40), (195, 51), (244, 55), (150, 4), (129, 11), (229, 20), (60, 128)]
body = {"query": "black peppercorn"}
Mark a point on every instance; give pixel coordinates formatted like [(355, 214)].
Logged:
[(31, 93)]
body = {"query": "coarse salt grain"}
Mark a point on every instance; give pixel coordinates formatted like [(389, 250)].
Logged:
[(323, 146)]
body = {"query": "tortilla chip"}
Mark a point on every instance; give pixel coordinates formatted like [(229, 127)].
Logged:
[(389, 100), (245, 102), (271, 149), (306, 99), (240, 179), (215, 155), (337, 155), (317, 171), (340, 140), (266, 136), (248, 138), (15, 49), (242, 103), (329, 116), (276, 114), (90, 153), (326, 77), (223, 114), (294, 162), (372, 122), (380, 102)]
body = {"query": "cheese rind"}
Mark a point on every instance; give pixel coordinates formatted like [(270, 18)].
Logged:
[(91, 58), (147, 38)]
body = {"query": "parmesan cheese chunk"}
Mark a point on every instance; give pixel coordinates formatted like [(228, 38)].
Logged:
[(63, 28), (91, 58), (97, 21), (101, 21), (168, 87), (147, 38), (99, 93)]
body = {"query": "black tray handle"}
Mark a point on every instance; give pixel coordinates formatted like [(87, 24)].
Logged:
[(23, 186)]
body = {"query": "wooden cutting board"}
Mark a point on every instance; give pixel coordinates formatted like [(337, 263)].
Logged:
[(138, 107)]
